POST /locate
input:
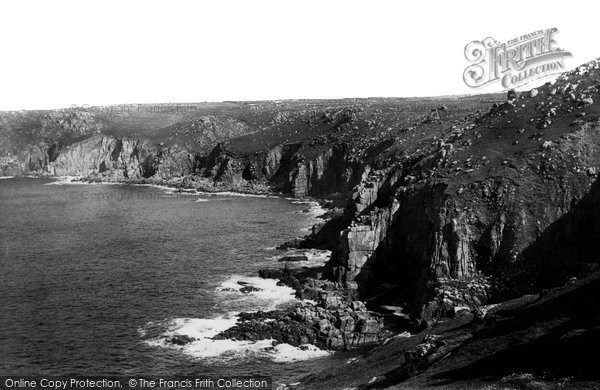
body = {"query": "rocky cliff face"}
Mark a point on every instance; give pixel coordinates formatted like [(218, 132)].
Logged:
[(105, 157), (32, 158), (287, 169)]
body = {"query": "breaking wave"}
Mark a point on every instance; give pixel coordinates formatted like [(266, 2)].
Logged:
[(238, 293)]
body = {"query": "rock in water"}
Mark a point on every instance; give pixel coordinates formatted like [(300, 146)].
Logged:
[(294, 258), (248, 289), (181, 339)]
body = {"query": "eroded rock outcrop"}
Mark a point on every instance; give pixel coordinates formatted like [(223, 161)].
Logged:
[(335, 321), (105, 157)]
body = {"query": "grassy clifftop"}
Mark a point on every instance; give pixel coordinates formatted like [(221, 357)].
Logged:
[(199, 126)]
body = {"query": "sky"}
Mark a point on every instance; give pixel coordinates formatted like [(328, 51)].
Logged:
[(63, 53)]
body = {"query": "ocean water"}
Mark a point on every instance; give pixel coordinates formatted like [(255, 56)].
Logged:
[(94, 277)]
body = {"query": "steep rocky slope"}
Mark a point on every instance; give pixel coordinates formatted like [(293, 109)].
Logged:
[(473, 201), (548, 340)]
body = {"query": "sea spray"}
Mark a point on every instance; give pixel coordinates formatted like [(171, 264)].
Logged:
[(263, 294)]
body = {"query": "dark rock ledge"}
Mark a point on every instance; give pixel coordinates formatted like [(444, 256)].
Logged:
[(333, 319)]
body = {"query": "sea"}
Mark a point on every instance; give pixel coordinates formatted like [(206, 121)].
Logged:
[(95, 278)]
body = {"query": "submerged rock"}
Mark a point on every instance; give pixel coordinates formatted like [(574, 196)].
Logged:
[(180, 339), (248, 289)]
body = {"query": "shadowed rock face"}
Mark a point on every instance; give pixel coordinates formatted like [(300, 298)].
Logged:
[(546, 340)]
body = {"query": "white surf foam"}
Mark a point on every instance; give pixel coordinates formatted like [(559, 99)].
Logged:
[(203, 330), (312, 213), (314, 208), (170, 190), (285, 353), (316, 257), (178, 191), (268, 295), (6, 177), (60, 180), (76, 180), (207, 349), (241, 194), (225, 194)]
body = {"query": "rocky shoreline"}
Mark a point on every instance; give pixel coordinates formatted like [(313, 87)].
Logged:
[(333, 322), (328, 314)]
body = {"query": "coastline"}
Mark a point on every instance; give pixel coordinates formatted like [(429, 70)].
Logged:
[(176, 186)]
